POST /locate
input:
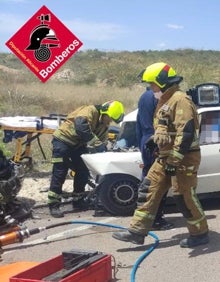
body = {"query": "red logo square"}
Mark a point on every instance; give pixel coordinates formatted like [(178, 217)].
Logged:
[(44, 44)]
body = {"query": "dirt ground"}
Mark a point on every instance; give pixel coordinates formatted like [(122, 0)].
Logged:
[(35, 187)]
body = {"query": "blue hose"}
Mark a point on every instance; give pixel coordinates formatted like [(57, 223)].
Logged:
[(141, 258), (144, 255)]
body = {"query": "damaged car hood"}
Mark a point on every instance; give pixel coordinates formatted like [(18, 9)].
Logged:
[(114, 162)]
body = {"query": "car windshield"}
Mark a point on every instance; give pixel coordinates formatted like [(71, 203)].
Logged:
[(209, 130), (127, 135)]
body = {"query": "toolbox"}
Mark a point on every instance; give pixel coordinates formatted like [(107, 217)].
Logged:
[(72, 266)]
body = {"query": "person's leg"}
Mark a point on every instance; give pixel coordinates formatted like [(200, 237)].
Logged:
[(157, 184), (160, 223), (81, 177), (59, 172), (184, 192)]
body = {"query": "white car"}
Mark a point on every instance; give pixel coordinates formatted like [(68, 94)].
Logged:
[(118, 173)]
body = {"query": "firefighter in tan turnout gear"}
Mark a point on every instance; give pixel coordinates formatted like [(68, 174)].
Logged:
[(85, 130), (176, 134)]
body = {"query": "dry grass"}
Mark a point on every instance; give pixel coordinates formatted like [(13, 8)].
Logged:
[(37, 99), (61, 98), (95, 78)]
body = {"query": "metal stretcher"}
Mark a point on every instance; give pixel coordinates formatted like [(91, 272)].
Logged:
[(27, 129)]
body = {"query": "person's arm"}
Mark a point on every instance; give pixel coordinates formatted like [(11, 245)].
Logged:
[(84, 123), (138, 131), (147, 105), (83, 128), (186, 125)]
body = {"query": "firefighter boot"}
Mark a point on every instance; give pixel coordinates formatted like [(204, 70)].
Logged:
[(128, 236), (193, 241), (162, 224), (54, 201), (79, 201), (55, 210)]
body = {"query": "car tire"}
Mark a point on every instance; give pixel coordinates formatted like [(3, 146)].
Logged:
[(118, 194)]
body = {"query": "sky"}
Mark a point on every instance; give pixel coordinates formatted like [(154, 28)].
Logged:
[(119, 25)]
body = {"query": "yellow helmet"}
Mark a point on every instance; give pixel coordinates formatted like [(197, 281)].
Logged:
[(114, 109), (161, 74)]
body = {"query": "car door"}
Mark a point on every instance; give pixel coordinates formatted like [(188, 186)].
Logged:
[(209, 171)]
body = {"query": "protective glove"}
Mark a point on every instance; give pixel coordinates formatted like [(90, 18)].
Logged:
[(150, 144), (99, 148), (93, 141), (91, 149), (161, 136), (170, 169)]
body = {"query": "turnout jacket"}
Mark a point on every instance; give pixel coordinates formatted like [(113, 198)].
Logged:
[(176, 116), (82, 126)]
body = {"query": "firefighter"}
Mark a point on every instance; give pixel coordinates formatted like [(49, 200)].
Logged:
[(84, 130), (144, 130), (176, 134)]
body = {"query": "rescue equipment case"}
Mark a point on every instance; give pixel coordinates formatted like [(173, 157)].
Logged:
[(91, 267)]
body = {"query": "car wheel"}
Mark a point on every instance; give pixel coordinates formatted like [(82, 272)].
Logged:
[(118, 194)]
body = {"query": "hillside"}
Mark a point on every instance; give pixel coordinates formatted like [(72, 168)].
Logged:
[(94, 76)]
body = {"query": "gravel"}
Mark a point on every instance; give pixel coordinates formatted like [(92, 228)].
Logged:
[(35, 187)]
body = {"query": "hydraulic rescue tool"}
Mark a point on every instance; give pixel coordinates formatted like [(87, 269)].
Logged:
[(13, 233), (16, 233)]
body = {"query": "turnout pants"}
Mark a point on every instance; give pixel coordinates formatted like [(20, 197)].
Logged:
[(183, 187), (65, 157)]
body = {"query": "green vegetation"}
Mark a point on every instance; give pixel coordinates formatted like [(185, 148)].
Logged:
[(94, 77)]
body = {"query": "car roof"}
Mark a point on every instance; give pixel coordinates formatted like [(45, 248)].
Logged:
[(208, 109), (132, 116)]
